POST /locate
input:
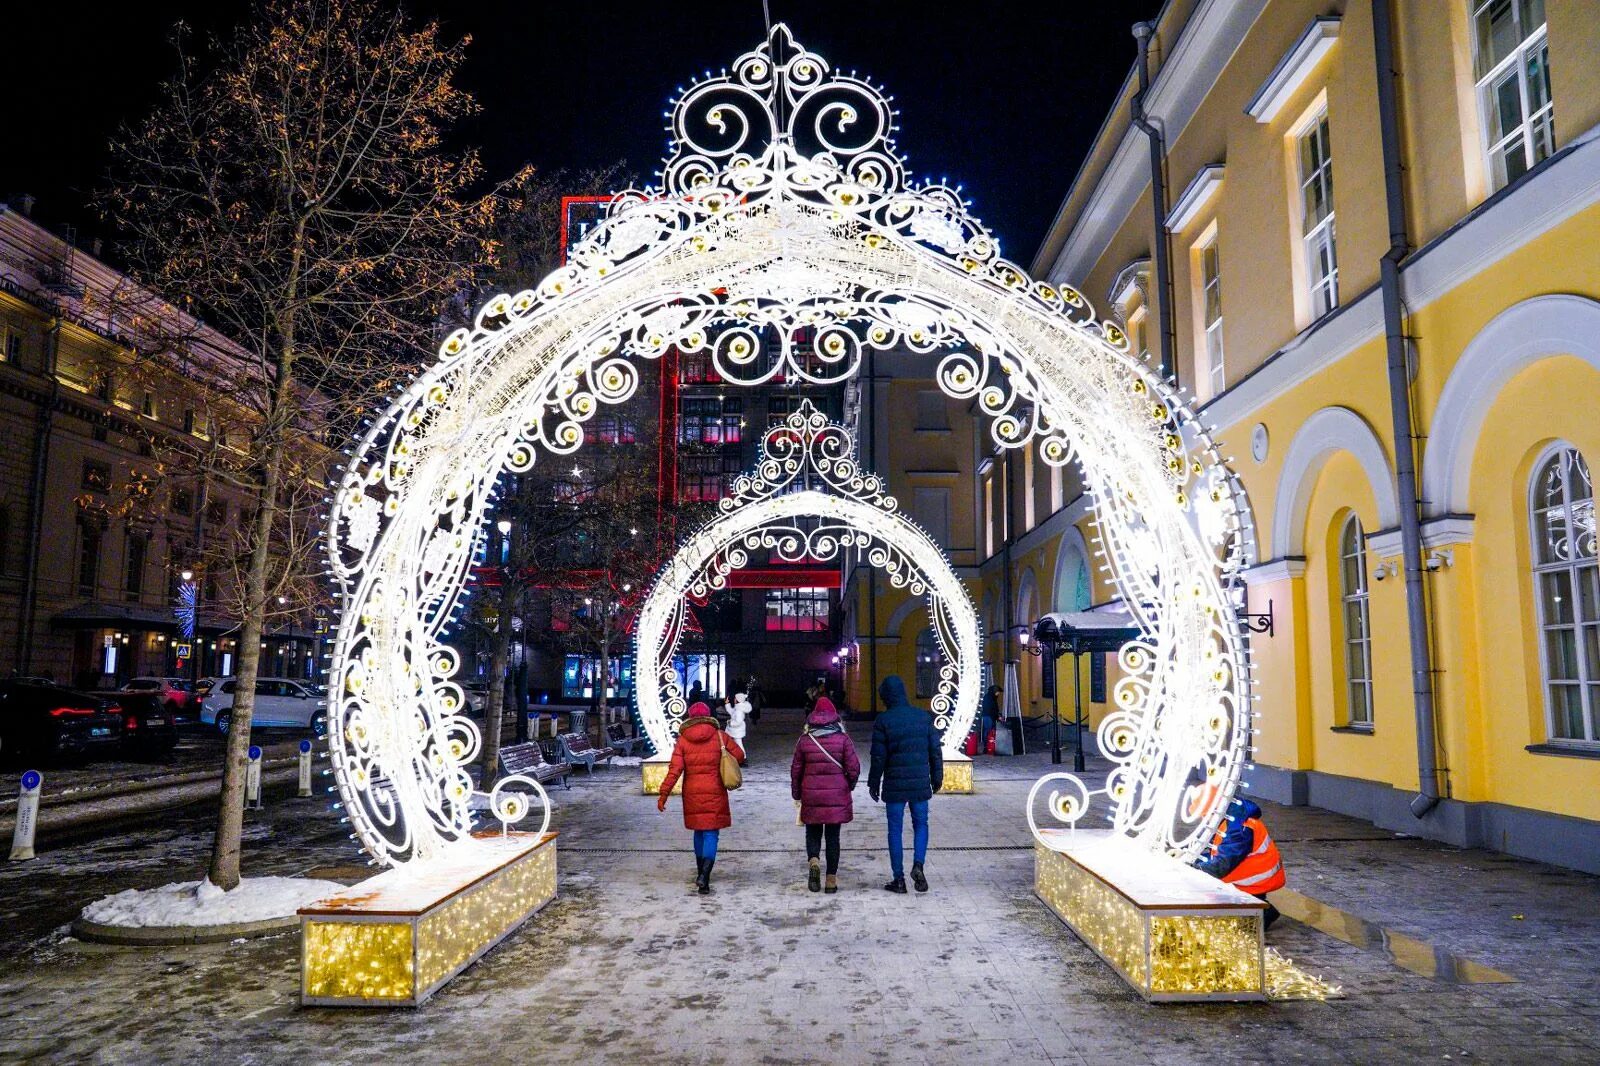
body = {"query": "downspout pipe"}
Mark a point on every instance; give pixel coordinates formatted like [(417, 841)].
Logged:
[(1400, 412), (1143, 32)]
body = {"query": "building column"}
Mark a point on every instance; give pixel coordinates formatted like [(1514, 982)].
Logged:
[(1282, 660)]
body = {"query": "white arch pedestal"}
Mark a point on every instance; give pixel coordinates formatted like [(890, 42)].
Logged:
[(808, 499), (784, 212)]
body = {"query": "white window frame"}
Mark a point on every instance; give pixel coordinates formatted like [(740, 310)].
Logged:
[(1358, 687), (1577, 566), (1538, 127), (1211, 329), (1319, 235)]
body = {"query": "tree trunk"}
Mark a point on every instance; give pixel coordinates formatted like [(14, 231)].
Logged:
[(225, 847), (605, 667), (494, 702)]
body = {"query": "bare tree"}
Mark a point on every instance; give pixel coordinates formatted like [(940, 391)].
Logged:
[(292, 189), (527, 247)]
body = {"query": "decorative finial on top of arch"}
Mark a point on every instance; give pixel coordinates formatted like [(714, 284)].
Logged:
[(781, 93), (803, 445)]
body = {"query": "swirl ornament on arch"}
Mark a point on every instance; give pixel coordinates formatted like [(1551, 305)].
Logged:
[(808, 500), (783, 239)]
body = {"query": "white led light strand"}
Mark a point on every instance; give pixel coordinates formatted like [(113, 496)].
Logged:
[(774, 509), (765, 227)]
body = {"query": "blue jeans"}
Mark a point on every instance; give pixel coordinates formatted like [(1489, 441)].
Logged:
[(919, 834), (705, 843)]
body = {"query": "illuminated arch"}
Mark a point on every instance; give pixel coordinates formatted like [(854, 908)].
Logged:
[(783, 212), (852, 513)]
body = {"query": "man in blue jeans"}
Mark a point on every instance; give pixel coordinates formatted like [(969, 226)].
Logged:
[(907, 769)]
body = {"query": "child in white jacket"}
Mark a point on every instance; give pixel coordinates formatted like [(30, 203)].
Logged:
[(738, 716)]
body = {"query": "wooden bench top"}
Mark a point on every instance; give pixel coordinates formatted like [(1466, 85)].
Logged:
[(408, 891), (1147, 879)]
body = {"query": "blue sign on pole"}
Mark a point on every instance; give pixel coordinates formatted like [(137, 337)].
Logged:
[(255, 752), (305, 747), (30, 780)]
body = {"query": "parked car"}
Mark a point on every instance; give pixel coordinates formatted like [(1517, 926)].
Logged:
[(148, 727), (44, 720), (280, 702), (175, 695), (476, 692)]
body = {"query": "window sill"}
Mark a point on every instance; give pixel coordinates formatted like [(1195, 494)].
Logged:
[(1571, 751), (1357, 730)]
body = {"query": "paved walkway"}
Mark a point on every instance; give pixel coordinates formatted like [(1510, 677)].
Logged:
[(629, 966)]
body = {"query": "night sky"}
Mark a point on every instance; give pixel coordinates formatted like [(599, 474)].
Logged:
[(1003, 98)]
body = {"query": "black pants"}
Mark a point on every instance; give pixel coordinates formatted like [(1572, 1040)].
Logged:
[(814, 835), (1270, 915)]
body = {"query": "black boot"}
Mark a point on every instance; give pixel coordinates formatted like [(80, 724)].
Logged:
[(705, 877), (814, 878), (918, 878), (897, 885), (699, 869)]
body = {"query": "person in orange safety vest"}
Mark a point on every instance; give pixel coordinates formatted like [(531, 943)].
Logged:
[(1243, 855)]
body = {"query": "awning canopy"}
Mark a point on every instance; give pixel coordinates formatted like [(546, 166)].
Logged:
[(1082, 632)]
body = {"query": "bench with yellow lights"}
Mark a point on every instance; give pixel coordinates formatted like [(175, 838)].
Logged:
[(1172, 932), (397, 938), (957, 776)]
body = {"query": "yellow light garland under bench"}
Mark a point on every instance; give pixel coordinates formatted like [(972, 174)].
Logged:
[(1172, 932), (397, 938)]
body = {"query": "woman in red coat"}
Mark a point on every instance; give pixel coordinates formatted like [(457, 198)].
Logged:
[(821, 777), (697, 758)]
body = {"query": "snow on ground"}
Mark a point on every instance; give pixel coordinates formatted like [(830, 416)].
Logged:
[(201, 903), (626, 760)]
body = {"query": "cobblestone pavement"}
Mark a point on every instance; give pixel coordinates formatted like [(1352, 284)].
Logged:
[(629, 966)]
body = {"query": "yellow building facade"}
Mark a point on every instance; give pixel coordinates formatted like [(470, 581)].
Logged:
[(1261, 288)]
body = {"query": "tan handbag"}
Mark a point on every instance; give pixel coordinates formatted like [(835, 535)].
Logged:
[(728, 766)]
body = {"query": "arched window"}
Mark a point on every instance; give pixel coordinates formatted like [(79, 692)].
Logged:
[(1567, 589), (1357, 622), (930, 660)]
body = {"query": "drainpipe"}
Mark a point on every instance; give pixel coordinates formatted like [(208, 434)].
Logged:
[(1400, 412), (1143, 31)]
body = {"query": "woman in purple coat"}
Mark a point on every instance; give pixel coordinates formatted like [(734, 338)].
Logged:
[(821, 777)]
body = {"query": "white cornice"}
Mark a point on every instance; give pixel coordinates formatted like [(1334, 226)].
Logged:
[(1205, 45), (1449, 529), (1275, 570), (1195, 196), (1385, 543), (1566, 185), (1294, 68), (1127, 281)]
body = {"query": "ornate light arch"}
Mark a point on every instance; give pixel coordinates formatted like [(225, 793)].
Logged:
[(852, 513), (783, 212), (1322, 436), (1518, 337)]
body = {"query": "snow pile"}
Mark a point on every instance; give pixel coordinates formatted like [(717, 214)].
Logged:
[(201, 903), (626, 760)]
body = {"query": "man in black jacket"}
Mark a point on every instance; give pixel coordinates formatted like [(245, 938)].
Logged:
[(907, 769)]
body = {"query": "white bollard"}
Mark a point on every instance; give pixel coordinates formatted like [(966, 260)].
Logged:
[(252, 780), (27, 816), (305, 769)]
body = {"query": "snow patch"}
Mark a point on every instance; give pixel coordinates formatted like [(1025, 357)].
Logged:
[(202, 903), (626, 760)]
